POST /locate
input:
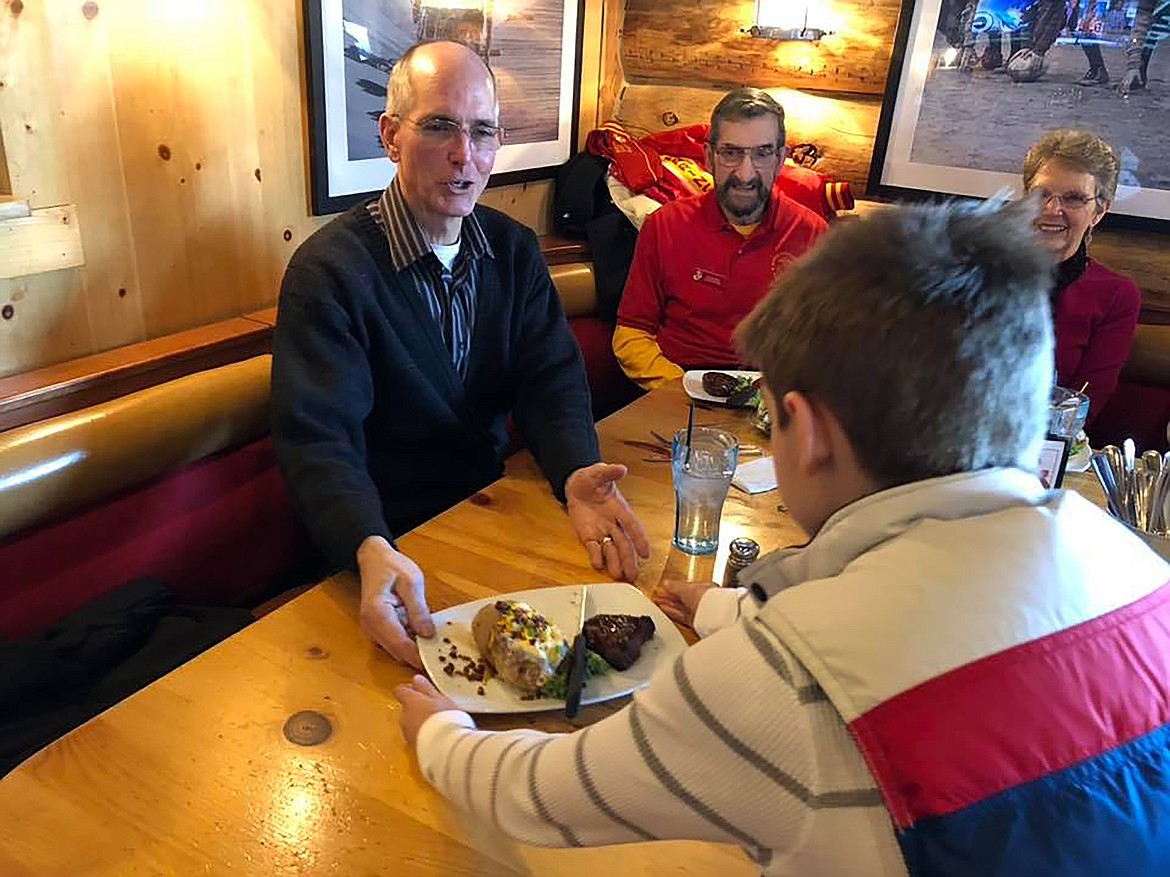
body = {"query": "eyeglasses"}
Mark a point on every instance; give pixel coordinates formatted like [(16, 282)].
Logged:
[(733, 156), (1069, 200), (439, 131)]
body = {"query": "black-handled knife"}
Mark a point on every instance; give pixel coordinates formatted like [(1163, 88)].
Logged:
[(575, 684)]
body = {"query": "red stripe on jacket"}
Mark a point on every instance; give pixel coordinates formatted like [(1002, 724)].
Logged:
[(1021, 714)]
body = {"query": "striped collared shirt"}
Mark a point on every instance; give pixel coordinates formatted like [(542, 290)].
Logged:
[(449, 295)]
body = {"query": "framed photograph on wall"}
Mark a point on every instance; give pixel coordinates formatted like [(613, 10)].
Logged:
[(973, 83), (532, 46)]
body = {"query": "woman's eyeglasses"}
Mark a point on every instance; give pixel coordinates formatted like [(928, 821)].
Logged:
[(439, 131), (1068, 200), (733, 156)]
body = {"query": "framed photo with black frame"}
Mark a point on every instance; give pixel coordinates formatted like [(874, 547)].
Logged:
[(973, 83), (1054, 460), (532, 46)]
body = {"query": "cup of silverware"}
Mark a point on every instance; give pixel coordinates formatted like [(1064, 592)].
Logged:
[(1137, 491)]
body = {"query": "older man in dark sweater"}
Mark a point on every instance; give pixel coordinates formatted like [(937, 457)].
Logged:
[(408, 329)]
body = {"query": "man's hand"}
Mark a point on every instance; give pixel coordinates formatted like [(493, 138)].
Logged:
[(610, 532), (420, 700), (394, 607), (679, 600)]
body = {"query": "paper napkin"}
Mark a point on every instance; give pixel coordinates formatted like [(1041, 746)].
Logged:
[(757, 476)]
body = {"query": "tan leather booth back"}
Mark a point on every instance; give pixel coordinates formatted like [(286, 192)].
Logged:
[(58, 465), (574, 283), (1149, 361)]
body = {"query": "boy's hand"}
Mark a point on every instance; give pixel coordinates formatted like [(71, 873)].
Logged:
[(680, 599), (420, 700)]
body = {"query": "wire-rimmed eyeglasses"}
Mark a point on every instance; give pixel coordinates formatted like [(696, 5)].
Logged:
[(440, 130)]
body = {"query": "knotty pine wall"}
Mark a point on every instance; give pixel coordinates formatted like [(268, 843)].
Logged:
[(176, 129)]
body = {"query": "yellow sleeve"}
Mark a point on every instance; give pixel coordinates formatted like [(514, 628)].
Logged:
[(642, 359)]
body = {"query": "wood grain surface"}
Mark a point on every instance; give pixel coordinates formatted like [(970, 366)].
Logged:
[(193, 774), (688, 41)]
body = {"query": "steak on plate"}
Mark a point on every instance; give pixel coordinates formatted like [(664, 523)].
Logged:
[(719, 384), (737, 391), (618, 638)]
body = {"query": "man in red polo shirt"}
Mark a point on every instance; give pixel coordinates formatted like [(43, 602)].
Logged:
[(702, 263)]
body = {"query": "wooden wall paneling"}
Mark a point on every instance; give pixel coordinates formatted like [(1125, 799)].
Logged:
[(186, 114), (280, 176), (1144, 256), (5, 182), (843, 127), (158, 120), (689, 41), (590, 66), (611, 75), (238, 208), (42, 316), (529, 203), (109, 282), (601, 67), (42, 320), (29, 118), (225, 240), (47, 240)]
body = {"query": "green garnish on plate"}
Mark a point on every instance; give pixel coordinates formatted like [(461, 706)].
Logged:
[(557, 686)]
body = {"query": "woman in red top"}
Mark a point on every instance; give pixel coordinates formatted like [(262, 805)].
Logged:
[(1095, 310)]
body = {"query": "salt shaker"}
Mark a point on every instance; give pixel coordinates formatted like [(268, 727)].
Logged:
[(741, 554)]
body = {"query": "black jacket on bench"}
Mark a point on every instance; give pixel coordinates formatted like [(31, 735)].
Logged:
[(55, 680), (374, 429)]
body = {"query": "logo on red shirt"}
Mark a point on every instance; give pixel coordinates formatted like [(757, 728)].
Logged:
[(699, 275)]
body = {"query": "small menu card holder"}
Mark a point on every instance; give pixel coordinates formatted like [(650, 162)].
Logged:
[(1053, 459)]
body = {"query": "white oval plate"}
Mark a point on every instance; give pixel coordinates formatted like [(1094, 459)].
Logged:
[(693, 383), (559, 605)]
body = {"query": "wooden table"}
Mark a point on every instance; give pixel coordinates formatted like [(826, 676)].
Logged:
[(194, 774)]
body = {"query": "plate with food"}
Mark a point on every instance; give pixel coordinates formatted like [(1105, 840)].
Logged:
[(512, 653), (734, 388)]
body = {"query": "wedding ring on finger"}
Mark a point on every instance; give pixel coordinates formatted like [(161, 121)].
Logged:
[(606, 540)]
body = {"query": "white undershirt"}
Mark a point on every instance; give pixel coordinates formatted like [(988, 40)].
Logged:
[(446, 253)]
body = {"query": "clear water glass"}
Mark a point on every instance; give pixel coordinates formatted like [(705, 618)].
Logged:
[(702, 475), (1067, 412)]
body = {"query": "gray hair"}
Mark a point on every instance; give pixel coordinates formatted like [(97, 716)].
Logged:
[(745, 103), (1081, 149), (925, 330), (400, 90)]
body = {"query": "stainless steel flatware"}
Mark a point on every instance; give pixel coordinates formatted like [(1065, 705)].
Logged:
[(1136, 487), (1108, 482), (1158, 518), (1143, 483), (1116, 462), (1152, 460)]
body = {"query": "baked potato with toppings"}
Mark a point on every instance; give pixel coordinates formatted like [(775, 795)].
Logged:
[(523, 647)]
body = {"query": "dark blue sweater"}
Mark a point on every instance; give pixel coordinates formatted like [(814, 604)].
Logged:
[(374, 429)]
